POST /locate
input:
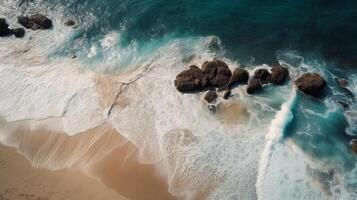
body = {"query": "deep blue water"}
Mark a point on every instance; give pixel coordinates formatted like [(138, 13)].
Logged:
[(248, 28)]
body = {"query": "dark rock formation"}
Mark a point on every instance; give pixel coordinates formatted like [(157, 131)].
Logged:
[(263, 75), (191, 80), (18, 32), (211, 96), (253, 86), (218, 73), (311, 83), (25, 22), (227, 93), (34, 22), (279, 74), (4, 28), (239, 76), (353, 145), (69, 22)]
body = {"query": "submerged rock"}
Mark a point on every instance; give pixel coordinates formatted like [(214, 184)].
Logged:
[(311, 83), (18, 32), (69, 22), (218, 73), (191, 80), (34, 22), (239, 76), (211, 96), (263, 75), (4, 28), (253, 86), (279, 75), (353, 145)]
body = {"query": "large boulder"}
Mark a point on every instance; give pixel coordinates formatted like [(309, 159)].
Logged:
[(218, 73), (239, 76), (311, 83), (253, 86), (4, 28), (36, 21), (279, 74), (263, 75), (211, 96), (353, 145), (191, 80), (18, 32)]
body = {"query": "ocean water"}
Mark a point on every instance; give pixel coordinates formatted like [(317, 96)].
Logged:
[(278, 144)]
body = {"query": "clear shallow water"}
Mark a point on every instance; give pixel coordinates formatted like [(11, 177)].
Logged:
[(285, 145)]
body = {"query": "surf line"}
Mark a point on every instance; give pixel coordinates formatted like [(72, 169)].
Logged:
[(275, 135)]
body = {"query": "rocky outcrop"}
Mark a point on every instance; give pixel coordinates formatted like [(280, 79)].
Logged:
[(353, 145), (211, 96), (35, 22), (218, 73), (262, 75), (279, 75), (212, 74), (239, 76), (191, 80), (18, 32), (253, 86), (4, 28), (311, 83)]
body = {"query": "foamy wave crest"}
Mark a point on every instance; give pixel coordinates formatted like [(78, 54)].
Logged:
[(274, 137)]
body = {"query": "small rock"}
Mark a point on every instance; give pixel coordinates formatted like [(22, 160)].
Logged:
[(263, 75), (353, 145), (69, 22), (311, 83), (239, 76), (18, 32), (25, 22), (211, 96), (35, 22), (253, 86), (279, 74), (227, 93), (43, 21), (212, 108), (4, 28)]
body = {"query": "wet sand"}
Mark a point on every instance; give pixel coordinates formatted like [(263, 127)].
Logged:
[(96, 164), (19, 180)]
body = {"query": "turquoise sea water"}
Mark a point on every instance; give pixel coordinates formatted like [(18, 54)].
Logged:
[(318, 35)]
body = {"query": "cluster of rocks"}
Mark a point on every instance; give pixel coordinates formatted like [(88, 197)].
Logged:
[(33, 22), (216, 74), (6, 31)]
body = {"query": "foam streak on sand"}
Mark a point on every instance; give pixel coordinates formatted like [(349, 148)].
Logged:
[(274, 136)]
